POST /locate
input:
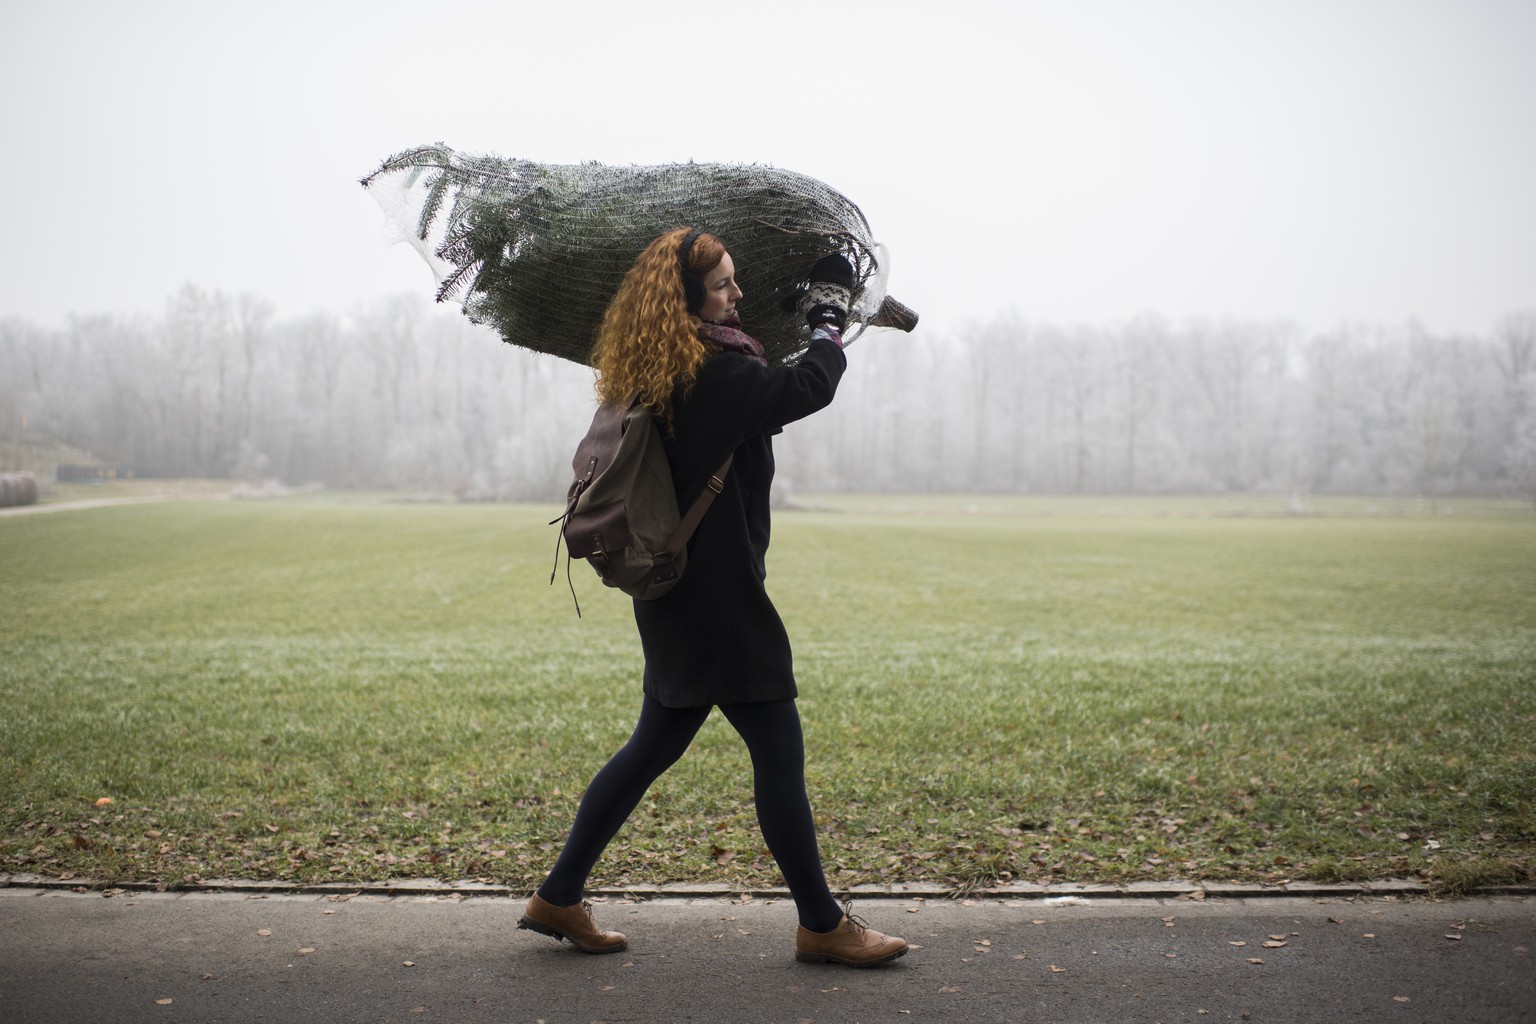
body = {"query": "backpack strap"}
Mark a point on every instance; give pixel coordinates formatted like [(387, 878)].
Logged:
[(690, 522)]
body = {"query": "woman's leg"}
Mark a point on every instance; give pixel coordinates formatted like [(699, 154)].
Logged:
[(772, 733), (659, 739)]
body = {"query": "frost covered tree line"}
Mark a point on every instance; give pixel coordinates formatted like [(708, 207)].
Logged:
[(402, 394)]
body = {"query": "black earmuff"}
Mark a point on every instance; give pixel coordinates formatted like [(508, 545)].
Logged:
[(693, 284)]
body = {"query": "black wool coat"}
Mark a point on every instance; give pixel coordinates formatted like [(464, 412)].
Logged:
[(715, 637)]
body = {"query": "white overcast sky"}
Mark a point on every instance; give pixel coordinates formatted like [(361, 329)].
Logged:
[(1082, 160)]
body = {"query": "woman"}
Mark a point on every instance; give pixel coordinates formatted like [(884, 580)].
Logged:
[(671, 333)]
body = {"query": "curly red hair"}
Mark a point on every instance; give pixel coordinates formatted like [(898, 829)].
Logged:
[(648, 342)]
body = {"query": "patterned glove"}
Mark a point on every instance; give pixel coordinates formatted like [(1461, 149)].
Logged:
[(830, 293)]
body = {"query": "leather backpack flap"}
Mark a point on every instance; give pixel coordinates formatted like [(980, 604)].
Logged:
[(599, 447), (624, 449), (598, 529)]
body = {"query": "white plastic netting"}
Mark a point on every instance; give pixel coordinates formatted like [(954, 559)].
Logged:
[(536, 250)]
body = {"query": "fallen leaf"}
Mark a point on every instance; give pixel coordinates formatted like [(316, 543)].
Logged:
[(1170, 956), (407, 963), (1167, 922), (271, 828), (1368, 935), (951, 988), (103, 802), (264, 932), (1037, 921), (1400, 999), (1254, 960), (1278, 938), (306, 951), (1237, 942), (1058, 970), (162, 1002), (1454, 937), (1274, 944)]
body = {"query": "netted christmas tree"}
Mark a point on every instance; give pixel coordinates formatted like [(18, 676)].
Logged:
[(536, 250)]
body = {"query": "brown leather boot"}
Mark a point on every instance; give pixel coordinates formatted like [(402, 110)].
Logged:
[(852, 942), (573, 923)]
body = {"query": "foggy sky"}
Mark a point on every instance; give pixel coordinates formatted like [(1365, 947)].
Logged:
[(1320, 160)]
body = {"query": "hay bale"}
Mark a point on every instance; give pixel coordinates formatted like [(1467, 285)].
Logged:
[(17, 489)]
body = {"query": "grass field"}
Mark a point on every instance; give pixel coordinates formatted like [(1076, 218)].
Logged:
[(993, 689)]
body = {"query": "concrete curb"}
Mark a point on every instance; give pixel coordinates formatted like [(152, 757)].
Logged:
[(897, 890)]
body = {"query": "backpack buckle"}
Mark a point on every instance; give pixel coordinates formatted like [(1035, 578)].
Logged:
[(715, 484)]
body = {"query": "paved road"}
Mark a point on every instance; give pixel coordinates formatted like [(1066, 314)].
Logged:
[(70, 506), (82, 958)]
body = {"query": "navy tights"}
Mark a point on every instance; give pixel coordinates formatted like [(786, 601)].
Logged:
[(772, 733)]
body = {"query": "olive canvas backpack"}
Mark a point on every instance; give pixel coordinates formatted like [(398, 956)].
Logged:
[(621, 511)]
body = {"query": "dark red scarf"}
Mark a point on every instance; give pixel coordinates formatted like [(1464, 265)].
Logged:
[(727, 336)]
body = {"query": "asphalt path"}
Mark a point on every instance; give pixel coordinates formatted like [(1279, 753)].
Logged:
[(211, 957)]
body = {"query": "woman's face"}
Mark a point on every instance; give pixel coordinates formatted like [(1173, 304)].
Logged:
[(720, 291)]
